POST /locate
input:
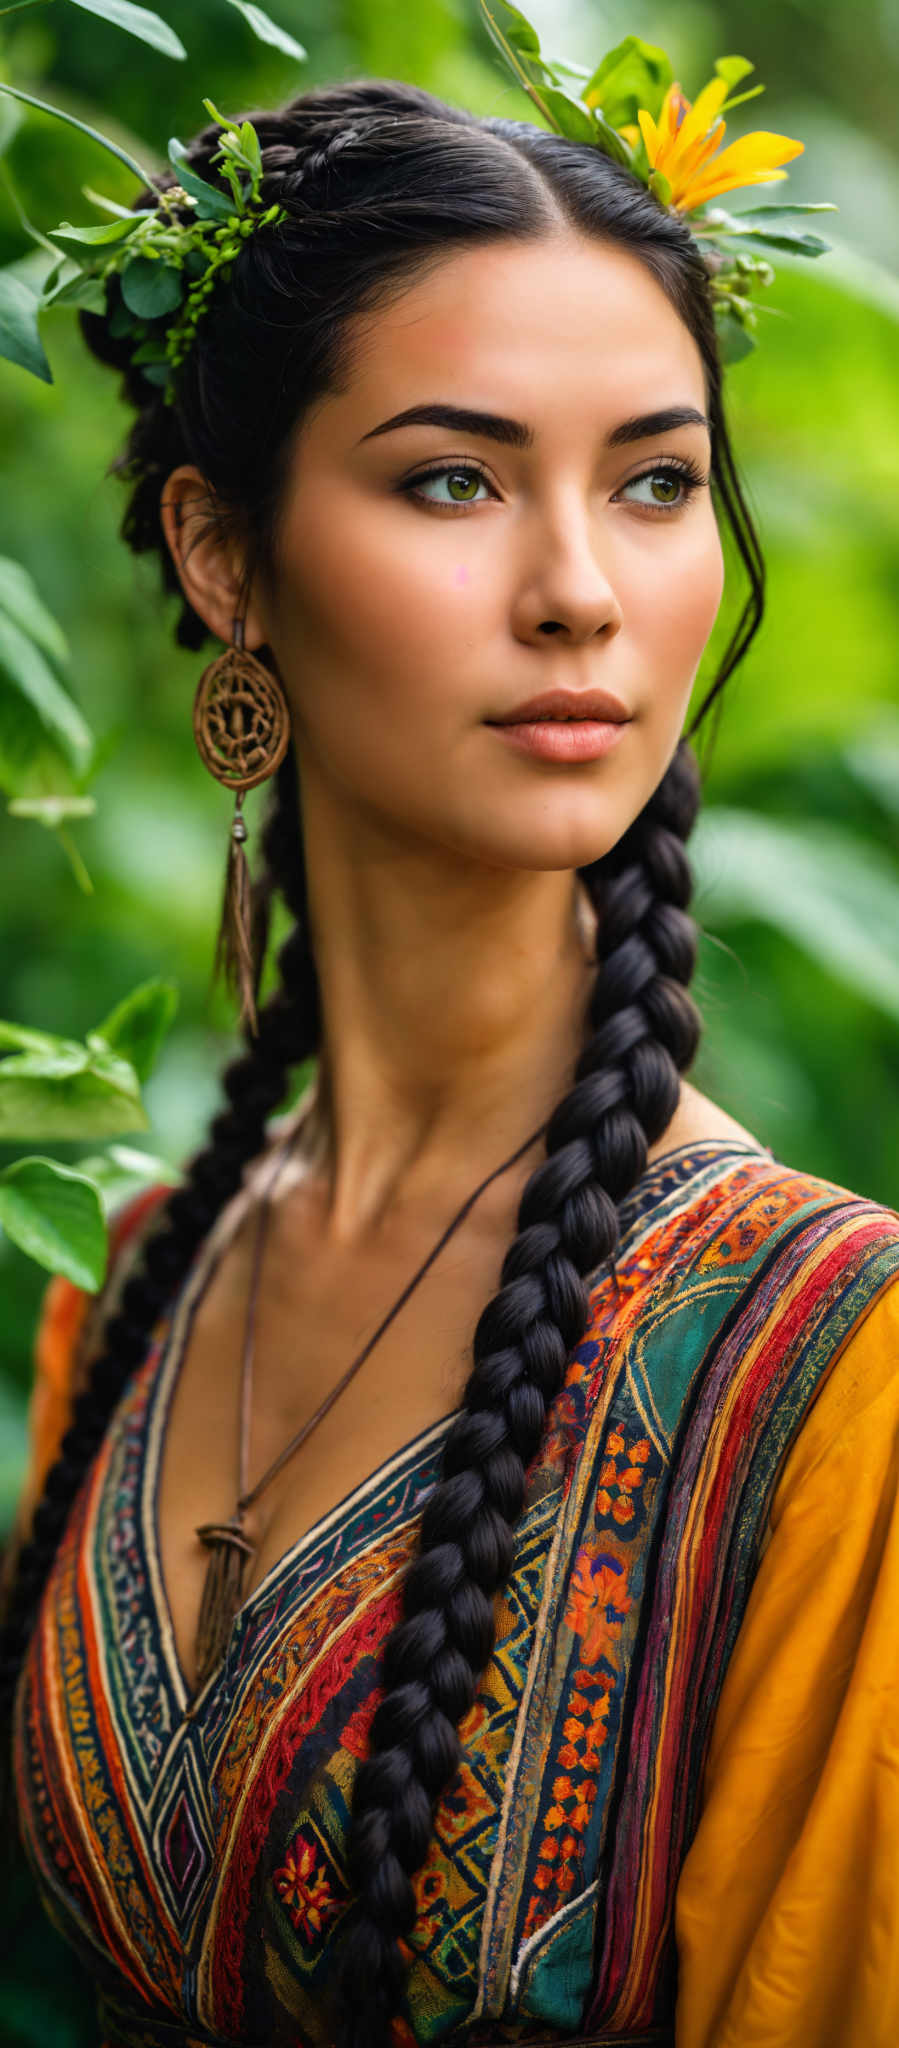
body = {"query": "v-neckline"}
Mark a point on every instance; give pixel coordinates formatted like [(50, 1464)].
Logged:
[(640, 1200)]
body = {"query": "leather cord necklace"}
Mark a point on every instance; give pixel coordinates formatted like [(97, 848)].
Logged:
[(229, 1545)]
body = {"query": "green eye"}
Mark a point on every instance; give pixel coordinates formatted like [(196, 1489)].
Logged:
[(682, 479), (454, 471)]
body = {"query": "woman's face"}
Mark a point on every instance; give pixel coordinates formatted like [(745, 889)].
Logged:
[(403, 624)]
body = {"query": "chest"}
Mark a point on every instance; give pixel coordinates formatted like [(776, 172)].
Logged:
[(317, 1310)]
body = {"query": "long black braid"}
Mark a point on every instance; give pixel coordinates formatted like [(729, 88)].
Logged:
[(644, 1032), (380, 178)]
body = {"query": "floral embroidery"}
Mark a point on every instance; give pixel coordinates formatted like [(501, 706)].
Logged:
[(305, 1890), (596, 1608), (597, 1604), (621, 1476)]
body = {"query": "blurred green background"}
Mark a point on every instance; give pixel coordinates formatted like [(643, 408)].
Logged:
[(796, 851)]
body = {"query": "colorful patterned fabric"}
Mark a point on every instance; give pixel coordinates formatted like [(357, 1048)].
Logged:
[(194, 1851)]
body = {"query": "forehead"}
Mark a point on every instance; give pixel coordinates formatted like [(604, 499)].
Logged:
[(548, 327)]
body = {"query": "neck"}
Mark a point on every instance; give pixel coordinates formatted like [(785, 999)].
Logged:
[(454, 1009)]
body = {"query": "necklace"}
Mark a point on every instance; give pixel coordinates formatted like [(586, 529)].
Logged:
[(228, 1543)]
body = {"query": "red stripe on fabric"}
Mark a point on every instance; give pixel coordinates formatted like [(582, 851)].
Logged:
[(298, 1717)]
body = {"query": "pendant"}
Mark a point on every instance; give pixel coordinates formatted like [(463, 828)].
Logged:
[(229, 1549)]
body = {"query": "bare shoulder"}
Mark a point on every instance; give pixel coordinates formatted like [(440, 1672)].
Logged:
[(697, 1117)]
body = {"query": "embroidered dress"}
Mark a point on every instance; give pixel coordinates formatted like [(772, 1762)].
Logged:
[(676, 1820)]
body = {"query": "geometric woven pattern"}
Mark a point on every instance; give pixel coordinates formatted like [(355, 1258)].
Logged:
[(198, 1863)]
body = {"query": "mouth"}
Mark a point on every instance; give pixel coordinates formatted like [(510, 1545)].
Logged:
[(567, 707), (561, 739), (552, 718)]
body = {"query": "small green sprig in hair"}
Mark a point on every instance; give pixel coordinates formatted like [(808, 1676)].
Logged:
[(167, 267)]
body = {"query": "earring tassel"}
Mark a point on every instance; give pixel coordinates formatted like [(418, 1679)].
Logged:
[(233, 950)]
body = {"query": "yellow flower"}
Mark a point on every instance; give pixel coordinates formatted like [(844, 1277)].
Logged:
[(682, 147)]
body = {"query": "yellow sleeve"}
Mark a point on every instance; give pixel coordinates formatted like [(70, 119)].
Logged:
[(787, 1907)]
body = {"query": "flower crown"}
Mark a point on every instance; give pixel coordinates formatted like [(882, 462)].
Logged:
[(630, 106)]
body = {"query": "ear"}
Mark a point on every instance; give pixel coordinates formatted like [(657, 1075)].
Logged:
[(209, 558)]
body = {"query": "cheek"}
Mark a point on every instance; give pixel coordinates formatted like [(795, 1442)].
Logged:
[(671, 592), (376, 601)]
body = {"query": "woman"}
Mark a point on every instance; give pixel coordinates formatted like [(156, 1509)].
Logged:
[(528, 1698)]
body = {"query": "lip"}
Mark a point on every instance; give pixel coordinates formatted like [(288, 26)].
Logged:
[(557, 739), (563, 704)]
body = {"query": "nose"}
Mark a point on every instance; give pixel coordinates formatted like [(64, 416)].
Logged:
[(571, 591)]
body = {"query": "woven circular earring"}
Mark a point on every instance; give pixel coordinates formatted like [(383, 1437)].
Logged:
[(242, 731)]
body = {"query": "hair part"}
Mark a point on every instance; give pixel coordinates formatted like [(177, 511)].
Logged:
[(380, 181)]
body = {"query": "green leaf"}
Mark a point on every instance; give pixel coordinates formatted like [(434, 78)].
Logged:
[(799, 245), (110, 231), (20, 600), (634, 74), (136, 21), (212, 205), (842, 903), (83, 290), (45, 1042), (72, 122), (23, 668), (150, 288), (775, 212), (734, 340), (267, 30), (250, 145), (58, 276), (117, 1170), (138, 1025), (113, 1068), (733, 68), (55, 1215), (122, 322), (149, 352), (516, 33), (80, 1095), (20, 341), (794, 239), (570, 117)]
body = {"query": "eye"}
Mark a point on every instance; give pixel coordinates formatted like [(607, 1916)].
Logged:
[(456, 471), (682, 478)]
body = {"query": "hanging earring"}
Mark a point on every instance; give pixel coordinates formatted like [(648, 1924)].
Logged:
[(242, 731)]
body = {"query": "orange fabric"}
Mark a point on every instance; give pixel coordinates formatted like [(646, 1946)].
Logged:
[(63, 1312), (787, 1909)]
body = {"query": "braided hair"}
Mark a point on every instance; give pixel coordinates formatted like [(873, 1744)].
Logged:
[(380, 180)]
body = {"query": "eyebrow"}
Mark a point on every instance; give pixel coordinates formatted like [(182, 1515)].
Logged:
[(494, 426)]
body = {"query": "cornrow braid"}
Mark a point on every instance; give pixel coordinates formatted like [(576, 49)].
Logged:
[(645, 1029), (254, 1083)]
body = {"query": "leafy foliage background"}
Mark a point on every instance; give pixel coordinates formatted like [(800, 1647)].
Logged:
[(797, 851)]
